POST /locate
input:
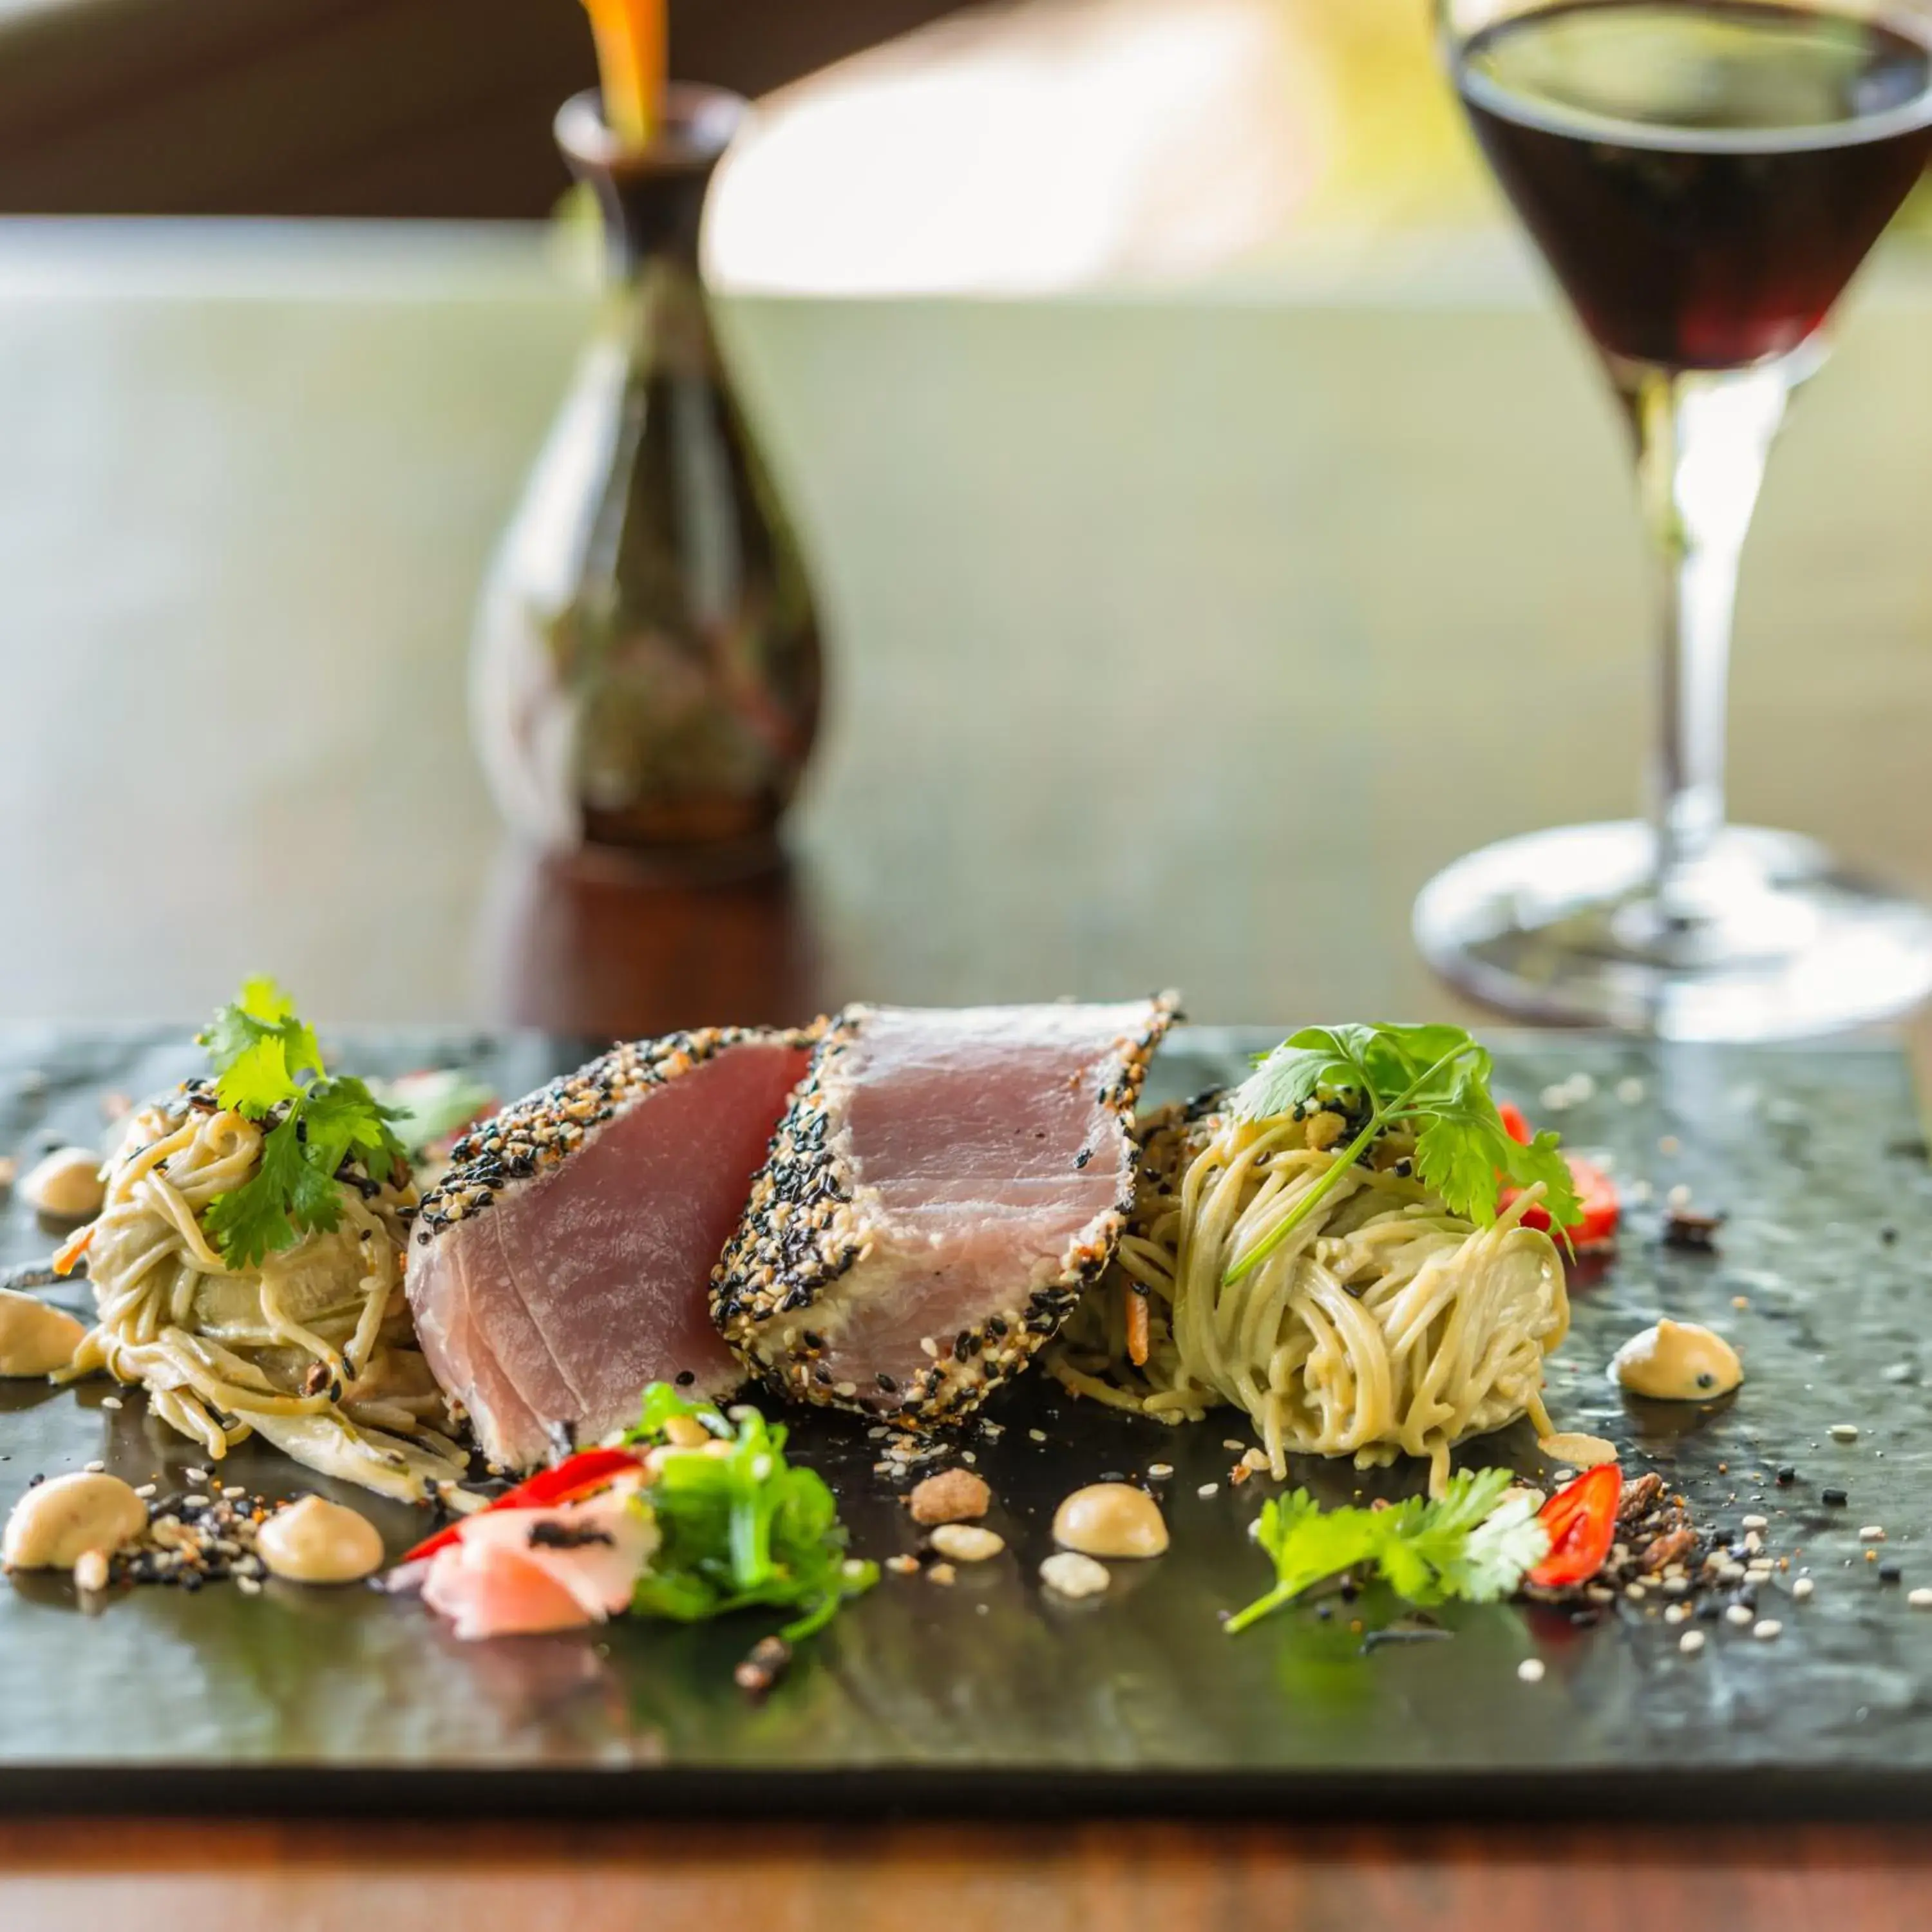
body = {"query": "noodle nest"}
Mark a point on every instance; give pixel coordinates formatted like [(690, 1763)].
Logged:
[(1383, 1325), (312, 1349)]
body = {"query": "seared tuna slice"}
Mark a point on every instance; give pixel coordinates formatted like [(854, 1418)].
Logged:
[(564, 1260), (940, 1188)]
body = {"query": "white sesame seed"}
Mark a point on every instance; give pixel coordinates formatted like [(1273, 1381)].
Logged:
[(1554, 1099), (1630, 1091), (1230, 1442), (1070, 1574), (1765, 1629), (1738, 1615), (1207, 1490), (146, 1489), (1675, 1613), (967, 1542), (1691, 1642), (195, 1502), (1844, 1432), (1635, 1592), (1582, 1086), (248, 1586), (1679, 1196), (1730, 1573), (1801, 1590), (1873, 1532), (110, 1401), (1530, 1670), (1919, 1599), (1035, 1434), (1757, 1523), (1676, 1586), (1752, 1541), (1158, 1470), (93, 1469)]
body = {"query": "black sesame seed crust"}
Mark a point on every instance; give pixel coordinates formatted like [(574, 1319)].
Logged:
[(537, 1132), (801, 1234)]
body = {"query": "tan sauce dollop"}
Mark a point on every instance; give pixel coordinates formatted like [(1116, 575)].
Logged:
[(1678, 1361), (1110, 1519), (315, 1541)]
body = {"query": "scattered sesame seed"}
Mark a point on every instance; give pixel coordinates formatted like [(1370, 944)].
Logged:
[(1157, 1471), (1208, 1490), (1530, 1670), (1873, 1532), (902, 1566), (1756, 1522), (94, 1468), (1679, 1196), (1919, 1599), (110, 1401), (1844, 1432), (1630, 1091), (197, 1502), (1230, 1442), (1676, 1613), (1036, 1434), (1766, 1629), (146, 1489), (1070, 1574), (248, 1586), (1691, 1642), (941, 1573), (1741, 1615), (967, 1543), (1801, 1590)]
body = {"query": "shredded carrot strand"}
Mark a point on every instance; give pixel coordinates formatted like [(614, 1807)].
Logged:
[(71, 1250), (1138, 1338), (631, 52)]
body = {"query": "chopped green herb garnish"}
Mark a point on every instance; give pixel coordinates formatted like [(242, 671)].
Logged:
[(1434, 1080), (1473, 1543), (743, 1529), (268, 1066)]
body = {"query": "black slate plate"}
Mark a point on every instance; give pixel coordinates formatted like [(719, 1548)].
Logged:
[(988, 1696)]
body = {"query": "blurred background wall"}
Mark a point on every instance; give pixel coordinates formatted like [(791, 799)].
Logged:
[(349, 107)]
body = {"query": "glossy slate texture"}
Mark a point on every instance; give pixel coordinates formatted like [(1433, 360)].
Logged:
[(989, 1694)]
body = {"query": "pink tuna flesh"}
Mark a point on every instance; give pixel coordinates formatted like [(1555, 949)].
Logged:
[(556, 1303)]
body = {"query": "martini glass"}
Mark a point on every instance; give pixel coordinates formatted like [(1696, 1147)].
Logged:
[(1704, 177)]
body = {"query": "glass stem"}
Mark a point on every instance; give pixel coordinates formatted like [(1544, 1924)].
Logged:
[(1702, 439)]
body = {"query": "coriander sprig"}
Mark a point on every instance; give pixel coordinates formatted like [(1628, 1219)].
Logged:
[(1435, 1079), (268, 1065), (1474, 1543)]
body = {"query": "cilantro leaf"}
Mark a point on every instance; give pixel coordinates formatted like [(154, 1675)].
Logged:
[(1472, 1543), (255, 1219), (742, 1530), (1434, 1081), (267, 1066)]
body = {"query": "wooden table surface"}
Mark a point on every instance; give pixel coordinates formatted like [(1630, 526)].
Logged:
[(1176, 642)]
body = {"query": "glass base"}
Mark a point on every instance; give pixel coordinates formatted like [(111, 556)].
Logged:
[(1774, 942)]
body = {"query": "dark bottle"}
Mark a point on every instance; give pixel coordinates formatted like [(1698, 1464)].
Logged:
[(646, 674)]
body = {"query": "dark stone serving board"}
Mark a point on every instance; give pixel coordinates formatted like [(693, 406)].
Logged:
[(989, 1695)]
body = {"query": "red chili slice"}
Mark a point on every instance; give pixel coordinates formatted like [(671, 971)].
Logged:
[(580, 1475), (1596, 1225), (1581, 1523)]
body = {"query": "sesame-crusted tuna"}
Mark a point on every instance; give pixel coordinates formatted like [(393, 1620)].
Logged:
[(941, 1187), (563, 1262)]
